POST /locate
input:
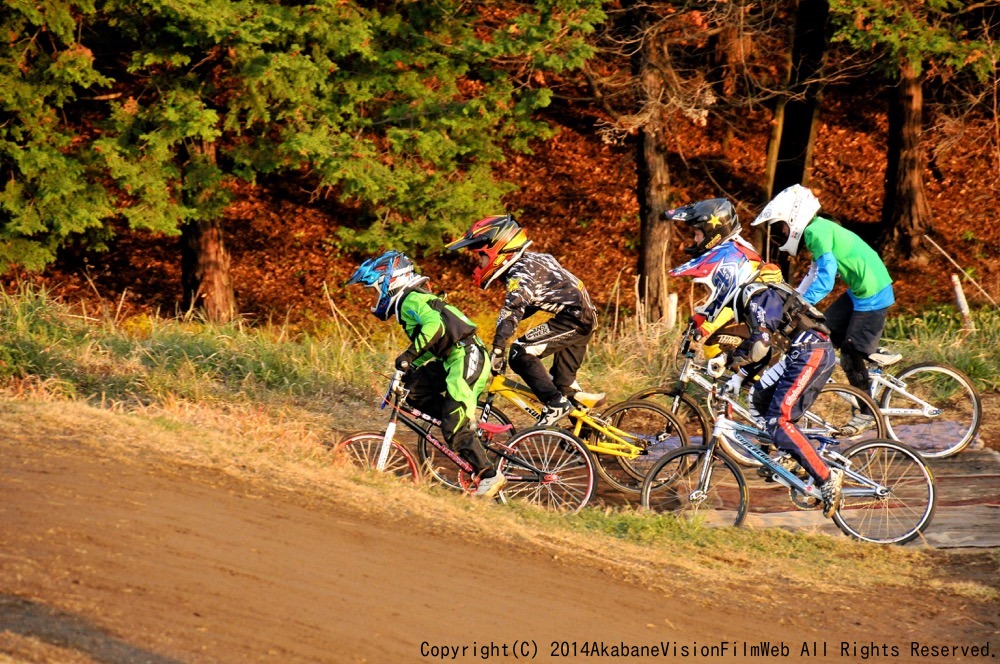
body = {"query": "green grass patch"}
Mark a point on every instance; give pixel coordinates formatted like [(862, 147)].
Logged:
[(149, 360), (938, 335)]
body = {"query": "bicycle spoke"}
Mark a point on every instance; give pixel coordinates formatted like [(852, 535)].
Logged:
[(906, 504), (680, 485), (567, 479), (362, 450), (936, 409)]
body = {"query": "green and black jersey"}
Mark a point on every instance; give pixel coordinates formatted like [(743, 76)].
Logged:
[(432, 326)]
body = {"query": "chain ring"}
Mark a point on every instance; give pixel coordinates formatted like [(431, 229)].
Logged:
[(802, 501)]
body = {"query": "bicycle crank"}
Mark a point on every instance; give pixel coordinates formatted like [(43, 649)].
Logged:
[(801, 500)]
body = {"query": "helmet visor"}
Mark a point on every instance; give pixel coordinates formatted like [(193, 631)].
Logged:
[(472, 243)]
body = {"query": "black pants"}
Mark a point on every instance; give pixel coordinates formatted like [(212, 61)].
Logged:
[(431, 392), (857, 335), (565, 339)]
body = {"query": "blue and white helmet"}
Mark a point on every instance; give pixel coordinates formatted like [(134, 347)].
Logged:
[(392, 274), (722, 270)]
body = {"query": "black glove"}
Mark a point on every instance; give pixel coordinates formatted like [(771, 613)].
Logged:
[(405, 360), (498, 360)]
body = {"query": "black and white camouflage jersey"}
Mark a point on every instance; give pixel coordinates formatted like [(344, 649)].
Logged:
[(537, 282)]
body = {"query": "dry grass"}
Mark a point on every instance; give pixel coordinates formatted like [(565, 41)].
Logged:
[(22, 649)]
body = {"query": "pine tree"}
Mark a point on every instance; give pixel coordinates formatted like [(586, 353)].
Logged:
[(912, 40), (150, 111)]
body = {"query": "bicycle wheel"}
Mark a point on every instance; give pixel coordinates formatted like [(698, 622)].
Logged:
[(834, 407), (362, 450), (644, 424), (696, 422), (442, 469), (567, 477), (892, 500), (936, 410), (681, 483)]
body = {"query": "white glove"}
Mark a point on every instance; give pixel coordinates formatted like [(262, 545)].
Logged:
[(498, 361), (733, 385), (717, 365)]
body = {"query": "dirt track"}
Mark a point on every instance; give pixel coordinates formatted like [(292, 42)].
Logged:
[(137, 560)]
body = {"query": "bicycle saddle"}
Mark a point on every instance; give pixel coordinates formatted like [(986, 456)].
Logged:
[(591, 399), (884, 359), (494, 429)]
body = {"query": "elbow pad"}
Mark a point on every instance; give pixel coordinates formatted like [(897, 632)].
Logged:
[(758, 350), (754, 349)]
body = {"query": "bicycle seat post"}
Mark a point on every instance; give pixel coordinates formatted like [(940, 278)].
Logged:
[(489, 396)]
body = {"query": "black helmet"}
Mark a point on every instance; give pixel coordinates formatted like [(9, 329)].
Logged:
[(715, 217)]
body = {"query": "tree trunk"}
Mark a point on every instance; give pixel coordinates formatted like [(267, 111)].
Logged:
[(730, 50), (905, 213), (653, 185), (790, 152), (205, 274)]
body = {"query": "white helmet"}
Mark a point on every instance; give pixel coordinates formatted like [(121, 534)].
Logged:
[(796, 206)]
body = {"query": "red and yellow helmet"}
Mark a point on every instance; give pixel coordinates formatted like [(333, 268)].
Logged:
[(499, 239)]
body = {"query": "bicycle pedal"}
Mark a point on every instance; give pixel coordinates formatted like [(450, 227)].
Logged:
[(765, 473)]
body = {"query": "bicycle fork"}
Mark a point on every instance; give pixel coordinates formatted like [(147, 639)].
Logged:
[(700, 493), (390, 429), (383, 453)]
